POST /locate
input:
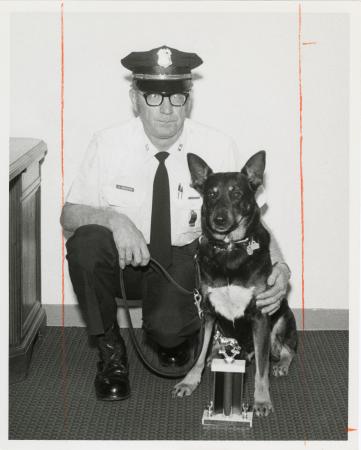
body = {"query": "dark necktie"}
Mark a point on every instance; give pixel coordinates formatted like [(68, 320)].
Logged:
[(160, 229)]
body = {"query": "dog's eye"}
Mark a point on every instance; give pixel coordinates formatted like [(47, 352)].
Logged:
[(236, 194), (212, 194)]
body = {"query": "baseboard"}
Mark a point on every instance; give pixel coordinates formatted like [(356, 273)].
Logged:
[(73, 316), (314, 319), (322, 319)]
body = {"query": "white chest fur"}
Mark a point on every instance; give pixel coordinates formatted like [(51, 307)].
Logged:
[(230, 301)]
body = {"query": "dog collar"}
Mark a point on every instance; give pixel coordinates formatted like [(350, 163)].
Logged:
[(228, 245)]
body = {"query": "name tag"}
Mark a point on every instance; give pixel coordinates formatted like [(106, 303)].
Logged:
[(124, 188), (193, 198)]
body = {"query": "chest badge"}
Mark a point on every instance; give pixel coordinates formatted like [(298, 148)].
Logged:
[(192, 218)]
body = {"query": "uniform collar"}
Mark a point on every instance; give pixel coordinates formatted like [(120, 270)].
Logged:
[(177, 148)]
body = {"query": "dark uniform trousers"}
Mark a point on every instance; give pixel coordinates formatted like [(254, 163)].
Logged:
[(169, 316)]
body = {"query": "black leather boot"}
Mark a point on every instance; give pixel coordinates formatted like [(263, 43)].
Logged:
[(111, 382)]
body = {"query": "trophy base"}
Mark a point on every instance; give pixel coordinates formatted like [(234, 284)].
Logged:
[(232, 419)]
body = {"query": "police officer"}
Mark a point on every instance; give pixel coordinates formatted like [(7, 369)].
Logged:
[(132, 199)]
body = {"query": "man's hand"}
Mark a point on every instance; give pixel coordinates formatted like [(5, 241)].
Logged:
[(129, 241), (270, 300)]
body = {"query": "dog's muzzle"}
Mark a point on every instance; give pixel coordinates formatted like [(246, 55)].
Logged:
[(221, 221)]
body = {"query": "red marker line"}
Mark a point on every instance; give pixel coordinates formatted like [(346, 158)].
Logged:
[(301, 352), (63, 349), (62, 149), (301, 166)]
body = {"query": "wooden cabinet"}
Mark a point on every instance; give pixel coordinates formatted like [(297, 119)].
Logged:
[(26, 314)]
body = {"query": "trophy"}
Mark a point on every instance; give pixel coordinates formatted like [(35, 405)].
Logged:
[(227, 405)]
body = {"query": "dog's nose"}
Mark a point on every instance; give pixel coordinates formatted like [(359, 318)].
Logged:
[(220, 220)]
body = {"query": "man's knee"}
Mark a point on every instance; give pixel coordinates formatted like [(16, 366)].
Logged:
[(167, 332), (166, 338), (91, 244)]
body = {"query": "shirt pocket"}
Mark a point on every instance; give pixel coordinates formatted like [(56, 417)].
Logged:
[(189, 211)]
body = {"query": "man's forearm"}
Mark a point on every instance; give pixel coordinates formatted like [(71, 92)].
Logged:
[(275, 251), (74, 216), (130, 243)]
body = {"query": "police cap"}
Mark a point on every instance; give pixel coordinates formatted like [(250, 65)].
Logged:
[(162, 69)]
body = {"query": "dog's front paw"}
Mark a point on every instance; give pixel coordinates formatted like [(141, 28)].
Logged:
[(280, 369), (183, 389), (262, 409)]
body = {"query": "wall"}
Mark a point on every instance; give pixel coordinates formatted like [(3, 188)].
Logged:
[(248, 87)]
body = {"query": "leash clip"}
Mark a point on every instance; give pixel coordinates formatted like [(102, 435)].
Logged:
[(197, 301)]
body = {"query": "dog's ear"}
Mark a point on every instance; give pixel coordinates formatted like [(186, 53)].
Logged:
[(254, 169), (199, 170)]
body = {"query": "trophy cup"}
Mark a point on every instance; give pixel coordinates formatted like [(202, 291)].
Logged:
[(227, 406)]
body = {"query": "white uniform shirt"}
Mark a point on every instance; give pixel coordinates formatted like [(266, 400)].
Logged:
[(119, 167)]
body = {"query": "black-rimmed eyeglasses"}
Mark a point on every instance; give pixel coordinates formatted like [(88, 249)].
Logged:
[(156, 99)]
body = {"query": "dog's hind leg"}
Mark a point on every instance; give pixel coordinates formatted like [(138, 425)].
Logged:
[(283, 344), (280, 368), (193, 377), (261, 337)]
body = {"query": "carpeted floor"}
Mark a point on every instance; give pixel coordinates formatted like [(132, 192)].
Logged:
[(57, 400)]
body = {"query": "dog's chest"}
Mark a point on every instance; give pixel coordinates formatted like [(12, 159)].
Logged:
[(230, 301)]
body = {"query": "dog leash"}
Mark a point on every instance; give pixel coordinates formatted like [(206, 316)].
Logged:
[(197, 301)]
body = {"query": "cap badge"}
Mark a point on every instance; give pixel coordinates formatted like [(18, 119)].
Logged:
[(164, 57)]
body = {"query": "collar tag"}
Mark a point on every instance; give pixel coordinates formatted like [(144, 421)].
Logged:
[(253, 245)]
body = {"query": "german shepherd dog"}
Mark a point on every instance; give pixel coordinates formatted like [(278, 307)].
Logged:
[(235, 263)]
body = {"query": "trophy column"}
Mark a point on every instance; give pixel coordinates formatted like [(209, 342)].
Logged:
[(227, 405)]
